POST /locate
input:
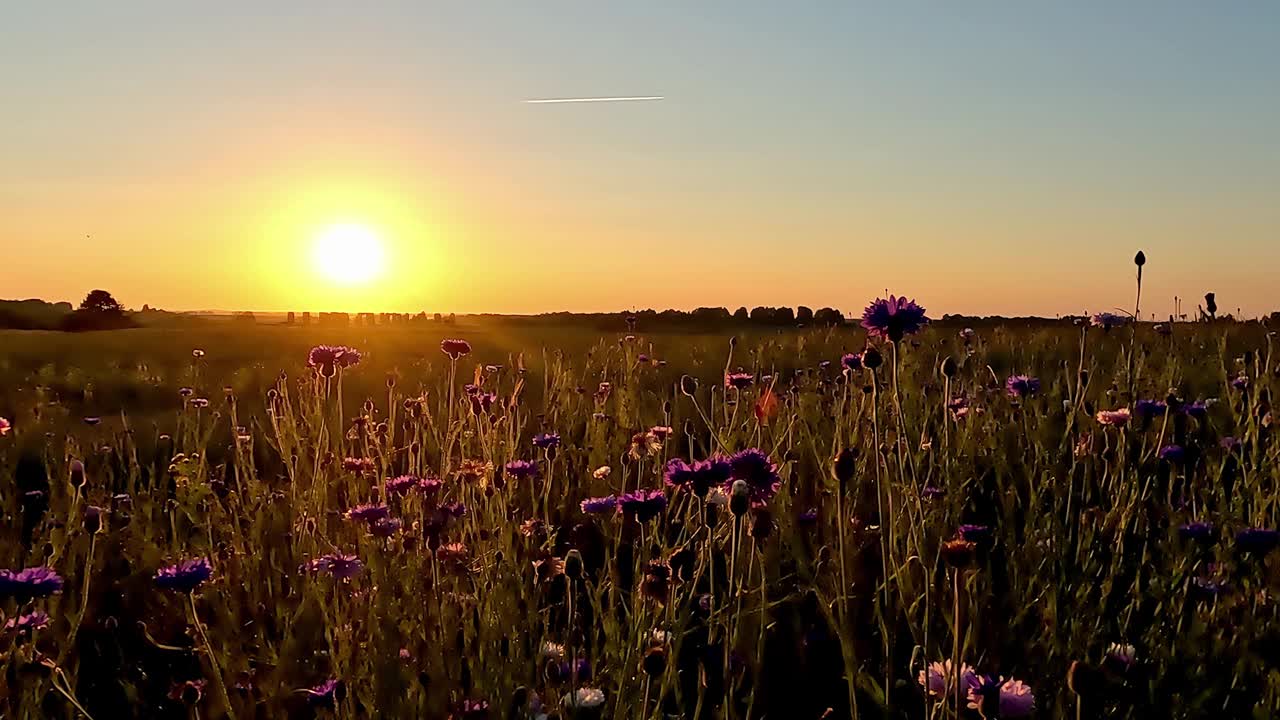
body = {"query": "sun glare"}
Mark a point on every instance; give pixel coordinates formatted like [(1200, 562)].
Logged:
[(349, 254)]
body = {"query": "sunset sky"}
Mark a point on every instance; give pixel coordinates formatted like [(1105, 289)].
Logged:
[(983, 158)]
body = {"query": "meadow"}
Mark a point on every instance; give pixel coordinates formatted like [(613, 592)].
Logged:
[(482, 521)]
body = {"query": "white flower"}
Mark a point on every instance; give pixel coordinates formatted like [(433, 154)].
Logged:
[(584, 698), (602, 472)]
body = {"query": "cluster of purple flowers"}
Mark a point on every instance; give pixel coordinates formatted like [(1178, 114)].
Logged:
[(991, 696), (521, 469), (546, 441), (35, 582)]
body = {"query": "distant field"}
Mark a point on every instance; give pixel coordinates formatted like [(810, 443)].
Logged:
[(1018, 498)]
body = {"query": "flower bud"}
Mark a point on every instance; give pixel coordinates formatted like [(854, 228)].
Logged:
[(739, 498)]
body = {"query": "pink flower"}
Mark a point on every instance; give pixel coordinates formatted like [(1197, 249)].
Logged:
[(1114, 418)]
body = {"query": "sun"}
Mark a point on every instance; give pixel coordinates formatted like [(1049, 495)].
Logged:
[(349, 253)]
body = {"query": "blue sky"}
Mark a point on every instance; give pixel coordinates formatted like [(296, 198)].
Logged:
[(814, 154)]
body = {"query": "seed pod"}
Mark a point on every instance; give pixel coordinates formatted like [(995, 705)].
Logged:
[(1140, 259), (871, 358), (949, 367), (739, 498), (655, 661), (573, 564)]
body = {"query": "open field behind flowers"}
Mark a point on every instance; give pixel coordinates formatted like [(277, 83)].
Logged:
[(258, 522)]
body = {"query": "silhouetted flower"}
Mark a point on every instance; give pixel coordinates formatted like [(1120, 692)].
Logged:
[(329, 358), (958, 553), (1197, 531), (359, 465), (739, 380), (455, 348), (186, 576), (894, 318), (1114, 418), (851, 362), (1107, 320), (1205, 589), (1150, 408), (677, 473), (1258, 541), (1121, 656), (980, 534), (643, 505), (546, 440), (1173, 453), (1230, 444), (600, 505), (758, 471), (808, 518), (1020, 386), (1198, 409)]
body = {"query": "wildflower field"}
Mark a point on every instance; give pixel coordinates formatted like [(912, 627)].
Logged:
[(896, 520)]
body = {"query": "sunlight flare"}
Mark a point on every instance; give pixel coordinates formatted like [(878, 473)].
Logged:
[(349, 253)]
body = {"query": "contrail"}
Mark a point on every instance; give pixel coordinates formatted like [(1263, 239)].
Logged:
[(635, 98)]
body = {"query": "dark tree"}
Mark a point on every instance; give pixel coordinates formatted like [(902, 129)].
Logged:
[(804, 315), (829, 316), (741, 314), (100, 301), (784, 316)]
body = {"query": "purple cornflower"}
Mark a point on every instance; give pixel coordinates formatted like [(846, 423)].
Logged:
[(1197, 531), (808, 518), (1205, 589), (428, 486), (600, 505), (980, 534), (521, 469), (482, 402), (739, 380), (759, 472), (1258, 541), (1173, 453), (35, 582), (1107, 320), (546, 441), (454, 510), (455, 348), (343, 567), (1150, 408), (938, 681), (677, 473), (1198, 409), (1240, 382), (1229, 443), (851, 361), (709, 473), (324, 695), (643, 505), (328, 359), (932, 492), (894, 318), (400, 486), (368, 513), (385, 527), (186, 576), (999, 697), (1020, 386), (26, 624)]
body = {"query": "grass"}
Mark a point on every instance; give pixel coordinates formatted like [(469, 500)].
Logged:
[(830, 598)]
